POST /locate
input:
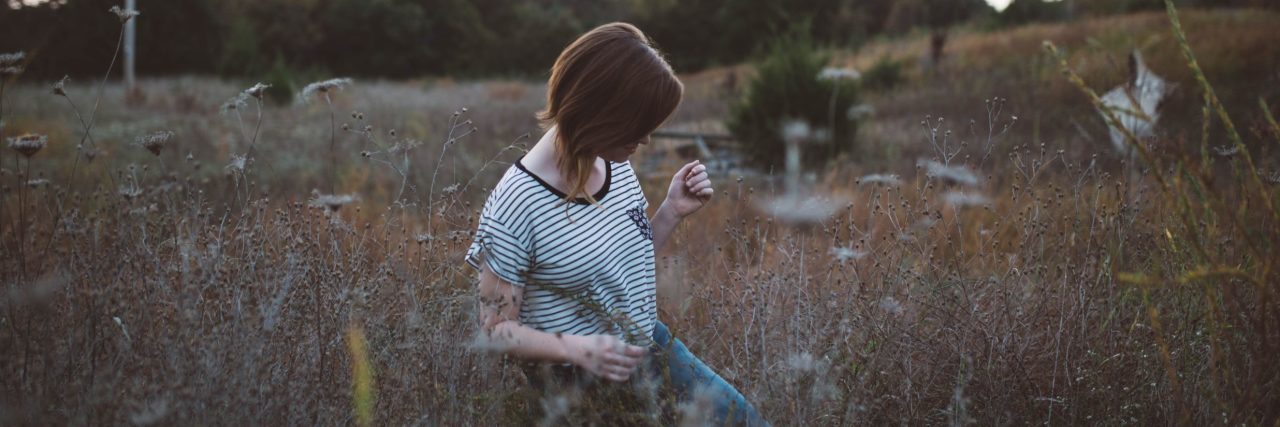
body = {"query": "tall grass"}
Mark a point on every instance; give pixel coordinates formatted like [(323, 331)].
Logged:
[(1051, 290)]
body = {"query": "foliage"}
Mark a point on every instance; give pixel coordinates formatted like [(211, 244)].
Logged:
[(884, 74), (788, 86)]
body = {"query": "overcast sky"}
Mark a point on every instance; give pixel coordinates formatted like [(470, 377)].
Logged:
[(999, 4)]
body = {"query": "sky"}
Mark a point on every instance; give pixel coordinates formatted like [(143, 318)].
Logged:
[(999, 4)]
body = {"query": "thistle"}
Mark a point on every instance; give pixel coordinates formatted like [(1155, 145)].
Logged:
[(28, 145)]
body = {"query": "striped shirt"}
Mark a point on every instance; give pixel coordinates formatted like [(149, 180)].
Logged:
[(588, 270)]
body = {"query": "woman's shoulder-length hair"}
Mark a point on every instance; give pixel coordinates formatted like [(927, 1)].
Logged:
[(608, 88)]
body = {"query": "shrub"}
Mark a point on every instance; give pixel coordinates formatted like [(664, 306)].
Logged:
[(885, 74), (787, 86)]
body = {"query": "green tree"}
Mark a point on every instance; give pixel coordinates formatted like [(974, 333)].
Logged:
[(787, 86)]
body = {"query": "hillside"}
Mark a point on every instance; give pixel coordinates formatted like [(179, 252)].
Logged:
[(1239, 50)]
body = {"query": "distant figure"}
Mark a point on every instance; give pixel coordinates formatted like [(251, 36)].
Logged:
[(565, 246), (1136, 103), (937, 45)]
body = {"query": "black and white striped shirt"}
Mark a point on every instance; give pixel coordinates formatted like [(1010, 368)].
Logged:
[(588, 270)]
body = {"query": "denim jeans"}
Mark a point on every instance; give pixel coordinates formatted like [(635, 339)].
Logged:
[(670, 373)]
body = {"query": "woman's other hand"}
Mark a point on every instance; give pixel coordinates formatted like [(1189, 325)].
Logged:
[(690, 189), (604, 355)]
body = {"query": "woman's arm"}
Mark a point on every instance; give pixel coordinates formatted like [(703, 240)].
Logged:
[(690, 189), (603, 355)]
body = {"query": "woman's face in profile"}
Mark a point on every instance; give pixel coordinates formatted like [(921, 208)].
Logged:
[(621, 153)]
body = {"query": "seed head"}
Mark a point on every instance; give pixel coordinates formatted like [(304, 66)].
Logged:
[(257, 90), (129, 192), (322, 87), (28, 145), (332, 201), (831, 73), (237, 163), (124, 15), (11, 63), (154, 142), (60, 87)]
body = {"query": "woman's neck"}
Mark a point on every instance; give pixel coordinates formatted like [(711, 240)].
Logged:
[(541, 161)]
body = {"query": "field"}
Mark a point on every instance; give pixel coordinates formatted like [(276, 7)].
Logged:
[(163, 281)]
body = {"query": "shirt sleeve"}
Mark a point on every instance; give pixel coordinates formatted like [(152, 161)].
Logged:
[(506, 252)]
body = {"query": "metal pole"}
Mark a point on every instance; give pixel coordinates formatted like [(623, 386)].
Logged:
[(130, 37)]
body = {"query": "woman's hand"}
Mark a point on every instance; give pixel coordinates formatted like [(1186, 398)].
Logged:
[(690, 189), (604, 355)]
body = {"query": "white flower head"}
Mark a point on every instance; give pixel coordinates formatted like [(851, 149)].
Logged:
[(333, 201), (155, 141), (326, 86), (11, 63), (845, 254), (962, 199), (833, 73), (877, 178), (796, 130), (123, 14), (956, 174), (28, 145)]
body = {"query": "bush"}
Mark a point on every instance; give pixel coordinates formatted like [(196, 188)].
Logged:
[(885, 74), (787, 87)]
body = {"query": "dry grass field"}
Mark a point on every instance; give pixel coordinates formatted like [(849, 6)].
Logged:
[(979, 276)]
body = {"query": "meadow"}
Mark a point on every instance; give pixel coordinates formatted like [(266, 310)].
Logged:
[(193, 253)]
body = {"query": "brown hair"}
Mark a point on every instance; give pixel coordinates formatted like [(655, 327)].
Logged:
[(610, 87)]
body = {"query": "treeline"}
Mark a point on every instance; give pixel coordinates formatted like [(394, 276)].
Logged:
[(410, 38)]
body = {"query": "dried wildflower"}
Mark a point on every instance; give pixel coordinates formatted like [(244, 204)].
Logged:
[(796, 130), (961, 199), (257, 90), (876, 178), (845, 254), (130, 192), (237, 163), (799, 209), (332, 201), (235, 103), (1226, 150), (11, 63), (802, 362), (124, 15), (955, 174), (8, 59), (451, 189), (832, 73), (891, 305), (322, 87), (28, 145), (60, 87), (155, 141)]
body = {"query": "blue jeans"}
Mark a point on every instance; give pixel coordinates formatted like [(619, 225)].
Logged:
[(688, 377), (670, 375)]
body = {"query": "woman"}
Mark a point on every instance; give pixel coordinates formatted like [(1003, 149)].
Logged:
[(564, 247)]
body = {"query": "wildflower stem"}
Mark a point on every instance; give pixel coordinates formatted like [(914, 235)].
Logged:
[(1271, 120), (1192, 63), (333, 159)]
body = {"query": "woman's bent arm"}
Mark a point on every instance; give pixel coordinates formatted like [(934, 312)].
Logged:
[(603, 355)]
